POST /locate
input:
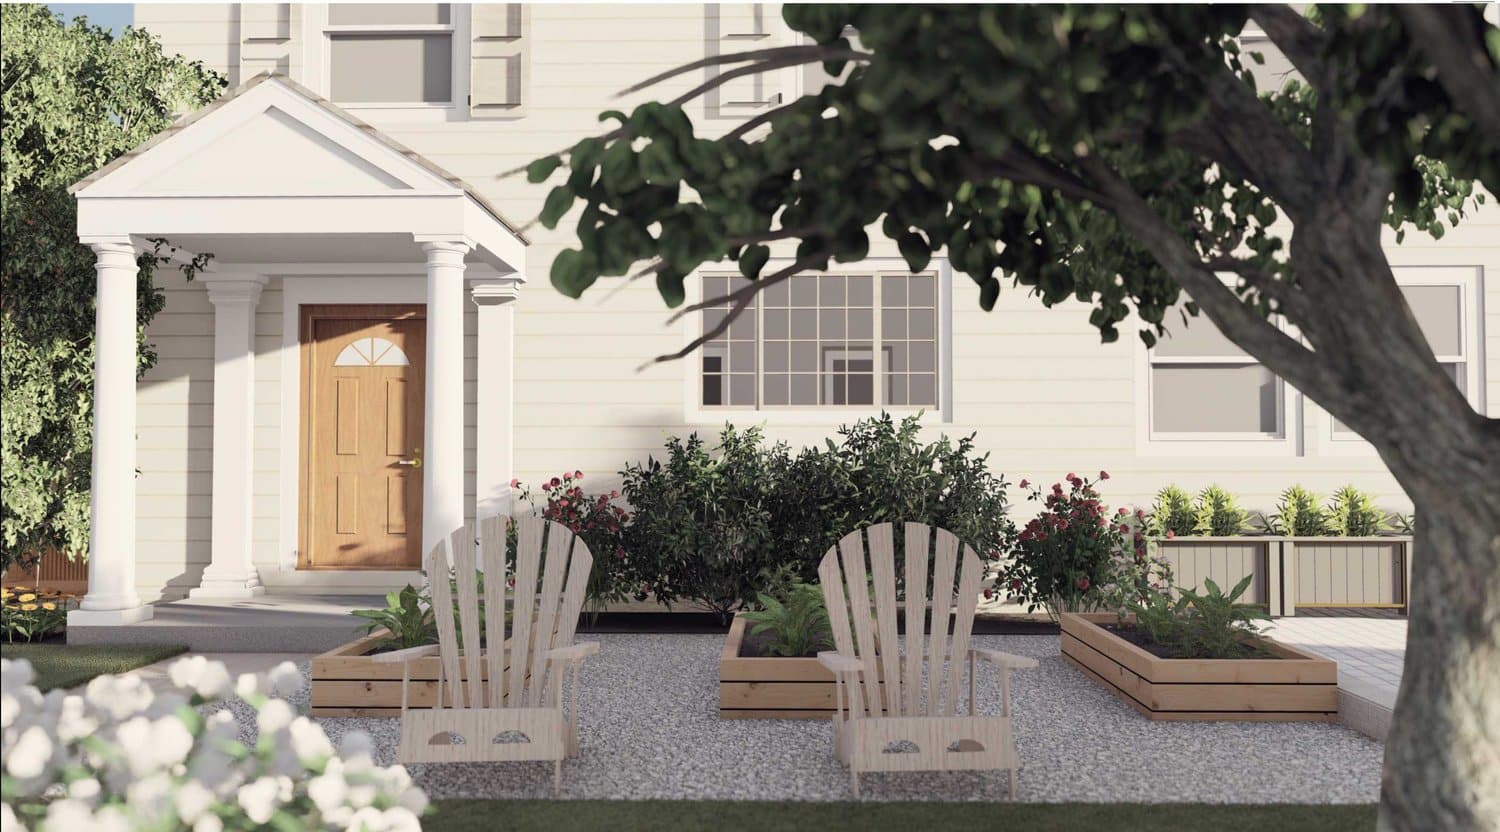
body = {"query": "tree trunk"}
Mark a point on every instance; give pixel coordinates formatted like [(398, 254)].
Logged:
[(1442, 758)]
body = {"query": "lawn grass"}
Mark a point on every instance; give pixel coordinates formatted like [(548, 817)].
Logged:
[(722, 816), (63, 666)]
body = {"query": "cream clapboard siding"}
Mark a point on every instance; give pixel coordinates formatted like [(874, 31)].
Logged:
[(1044, 396)]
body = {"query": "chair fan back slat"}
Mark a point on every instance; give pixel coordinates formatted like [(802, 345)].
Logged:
[(466, 576), (888, 646), (945, 556), (492, 534), (963, 625), (528, 558), (559, 546), (831, 576), (857, 587), (917, 552), (574, 592), (442, 613)]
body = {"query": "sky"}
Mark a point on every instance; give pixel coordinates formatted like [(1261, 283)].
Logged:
[(112, 16)]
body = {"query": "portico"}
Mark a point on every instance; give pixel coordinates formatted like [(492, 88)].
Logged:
[(287, 191)]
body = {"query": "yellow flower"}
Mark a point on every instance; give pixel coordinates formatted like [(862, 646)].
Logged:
[(49, 606), (28, 607), (30, 596), (4, 593)]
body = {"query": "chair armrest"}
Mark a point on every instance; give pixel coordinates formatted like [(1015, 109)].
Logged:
[(573, 652), (839, 663), (404, 656), (1003, 660)]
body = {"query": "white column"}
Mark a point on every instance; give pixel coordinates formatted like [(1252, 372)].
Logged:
[(443, 429), (230, 573), (112, 597), (494, 393)]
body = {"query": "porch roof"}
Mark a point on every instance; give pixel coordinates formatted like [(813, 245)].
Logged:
[(273, 173)]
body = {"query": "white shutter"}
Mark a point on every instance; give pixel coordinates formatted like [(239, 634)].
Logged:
[(265, 21), (497, 62), (740, 27)]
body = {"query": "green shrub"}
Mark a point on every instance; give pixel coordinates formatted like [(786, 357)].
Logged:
[(702, 526), (1299, 513), (407, 616), (797, 621), (709, 526), (1217, 513), (1172, 512), (1352, 513), (1212, 624)]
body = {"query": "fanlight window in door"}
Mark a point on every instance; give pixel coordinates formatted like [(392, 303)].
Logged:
[(371, 352)]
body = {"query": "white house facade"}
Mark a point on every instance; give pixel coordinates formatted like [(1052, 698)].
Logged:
[(375, 351)]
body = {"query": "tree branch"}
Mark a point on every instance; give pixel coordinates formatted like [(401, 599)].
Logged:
[(1452, 37), (739, 300), (808, 54), (1272, 347), (1298, 39)]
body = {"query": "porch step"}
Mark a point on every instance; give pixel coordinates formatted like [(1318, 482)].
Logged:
[(266, 624)]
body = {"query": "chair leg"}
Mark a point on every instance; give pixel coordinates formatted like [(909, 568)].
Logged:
[(557, 778), (1013, 785), (854, 779)]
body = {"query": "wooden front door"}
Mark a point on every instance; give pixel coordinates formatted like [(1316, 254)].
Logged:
[(363, 379)]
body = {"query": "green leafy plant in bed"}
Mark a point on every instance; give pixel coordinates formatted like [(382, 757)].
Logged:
[(1299, 513), (797, 623), (1213, 624), (407, 616), (1218, 514), (1172, 513)]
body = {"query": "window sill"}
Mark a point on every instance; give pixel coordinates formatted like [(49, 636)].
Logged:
[(820, 416), (406, 112)]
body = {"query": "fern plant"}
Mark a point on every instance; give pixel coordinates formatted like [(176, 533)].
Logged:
[(1300, 513), (406, 616), (1217, 625), (798, 625), (1218, 514), (1352, 513), (1172, 512)]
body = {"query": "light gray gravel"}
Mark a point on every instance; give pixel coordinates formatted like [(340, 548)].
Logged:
[(650, 729)]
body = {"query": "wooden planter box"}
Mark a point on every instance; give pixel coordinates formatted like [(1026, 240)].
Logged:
[(771, 688), (347, 682), (1291, 572), (1300, 687)]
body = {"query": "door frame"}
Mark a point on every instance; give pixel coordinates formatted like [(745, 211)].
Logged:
[(306, 314)]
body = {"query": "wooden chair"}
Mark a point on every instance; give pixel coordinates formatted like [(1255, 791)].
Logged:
[(898, 713), (503, 701)]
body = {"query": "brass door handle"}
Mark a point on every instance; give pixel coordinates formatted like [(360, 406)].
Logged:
[(415, 461)]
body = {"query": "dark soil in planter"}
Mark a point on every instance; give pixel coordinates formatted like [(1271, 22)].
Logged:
[(1168, 651)]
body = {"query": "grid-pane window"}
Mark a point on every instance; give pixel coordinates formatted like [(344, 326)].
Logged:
[(826, 340), (399, 53), (1202, 384), (1439, 310)]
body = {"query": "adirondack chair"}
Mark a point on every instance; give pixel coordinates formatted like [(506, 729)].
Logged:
[(891, 715), (502, 701)]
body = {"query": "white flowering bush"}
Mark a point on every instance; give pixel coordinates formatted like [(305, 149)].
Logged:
[(121, 757)]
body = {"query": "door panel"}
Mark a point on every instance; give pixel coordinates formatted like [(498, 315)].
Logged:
[(363, 382)]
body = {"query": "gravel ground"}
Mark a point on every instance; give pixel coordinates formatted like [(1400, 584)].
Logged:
[(649, 728)]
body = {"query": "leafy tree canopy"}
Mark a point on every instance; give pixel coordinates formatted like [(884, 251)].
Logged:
[(996, 131), (74, 98)]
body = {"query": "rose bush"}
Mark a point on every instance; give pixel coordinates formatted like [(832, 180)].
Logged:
[(596, 519), (121, 757), (1066, 554)]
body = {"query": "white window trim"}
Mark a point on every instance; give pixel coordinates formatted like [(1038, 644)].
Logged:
[(694, 413), (316, 31), (1470, 282), (1151, 442)]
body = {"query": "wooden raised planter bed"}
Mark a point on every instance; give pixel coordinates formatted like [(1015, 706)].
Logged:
[(1299, 687), (771, 688), (347, 682)]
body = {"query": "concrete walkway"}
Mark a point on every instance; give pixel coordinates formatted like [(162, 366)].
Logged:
[(1370, 653), (269, 623)]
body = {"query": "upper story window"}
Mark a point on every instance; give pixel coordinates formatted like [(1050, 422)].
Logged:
[(391, 53), (1444, 300), (1202, 386), (826, 340)]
